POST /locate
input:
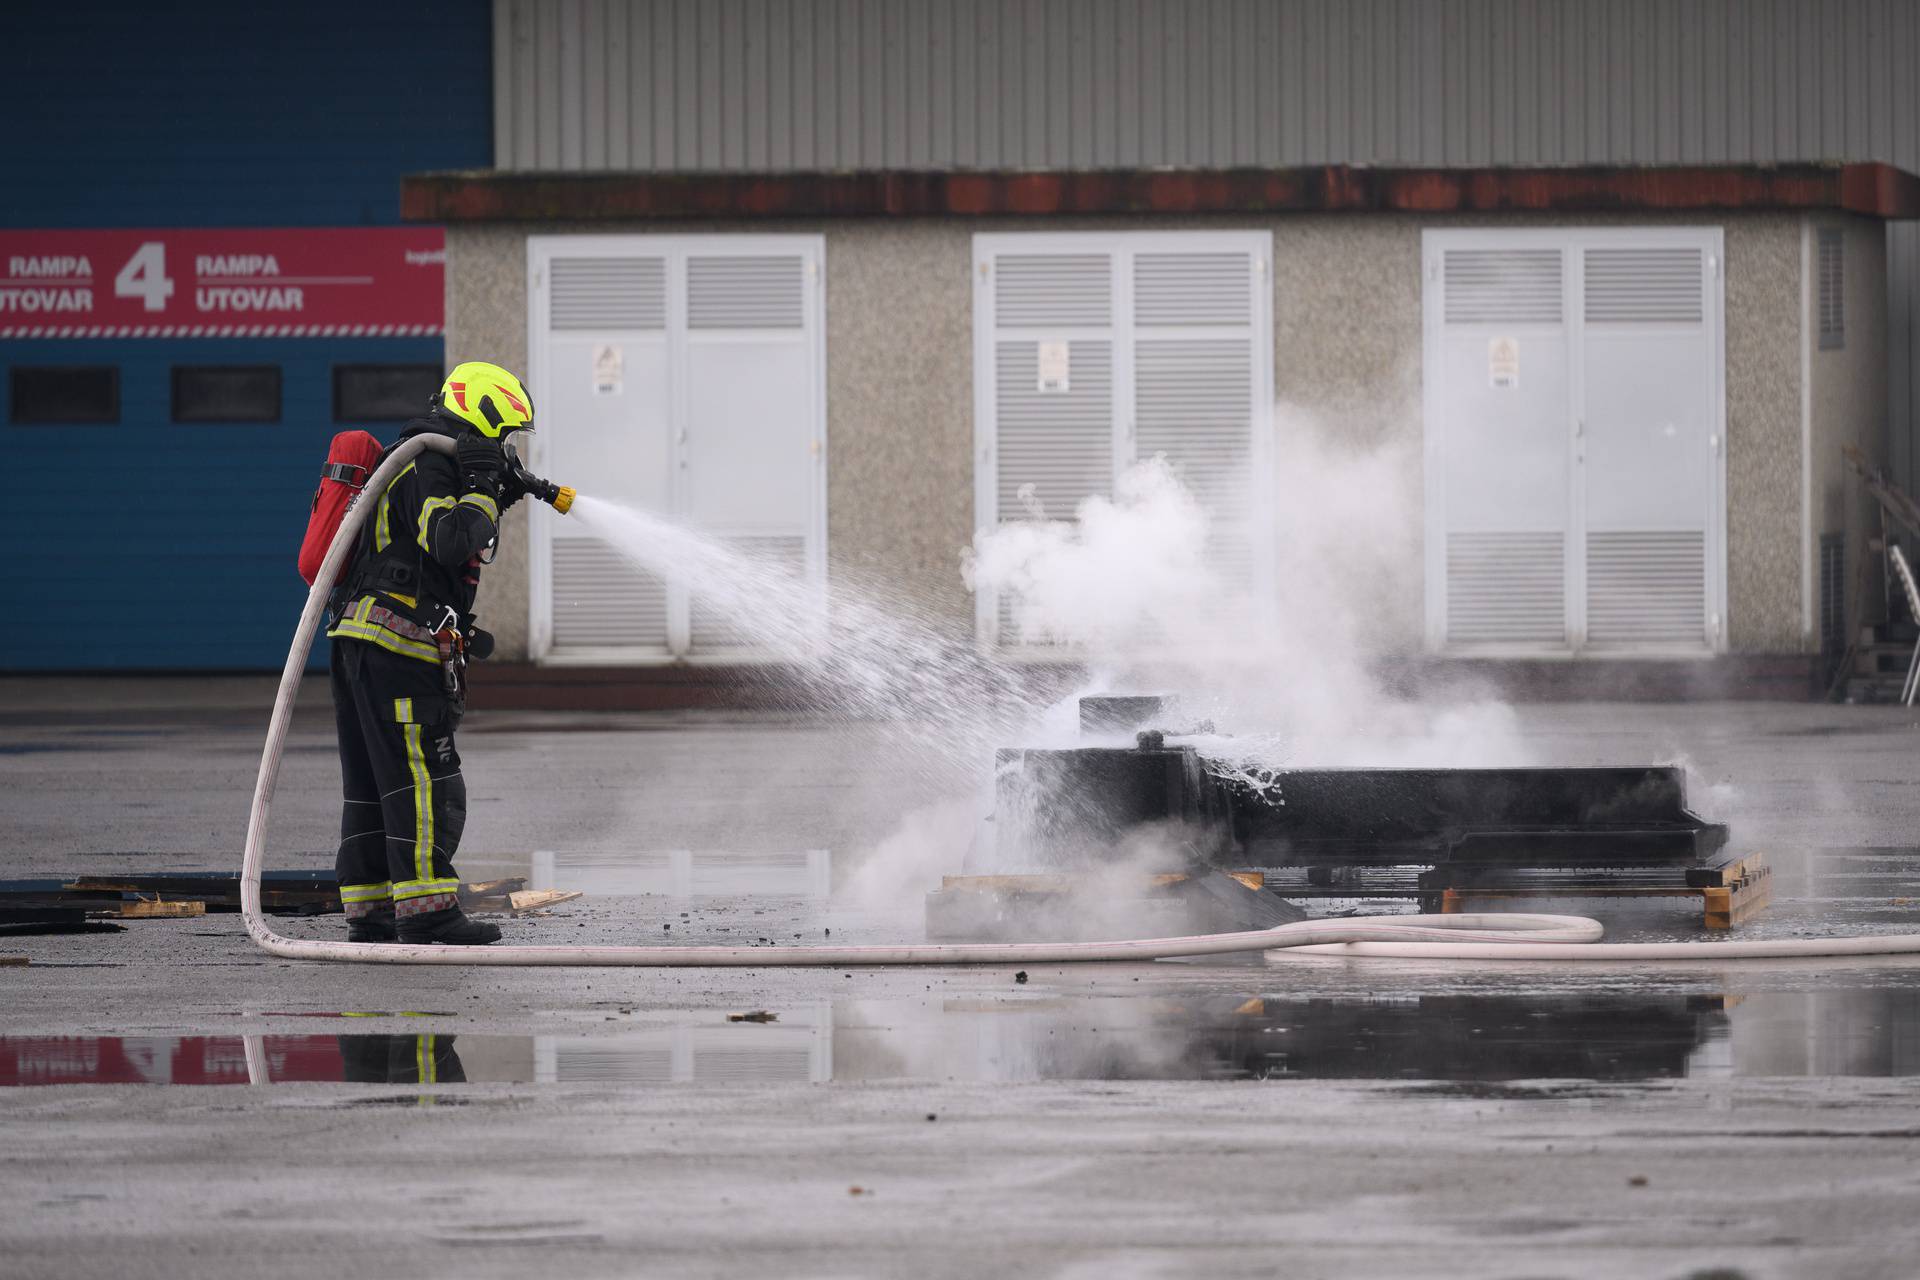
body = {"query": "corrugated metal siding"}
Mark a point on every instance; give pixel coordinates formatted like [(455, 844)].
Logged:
[(864, 84), (991, 84)]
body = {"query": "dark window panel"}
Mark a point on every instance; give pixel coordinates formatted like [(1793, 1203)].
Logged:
[(56, 394), (226, 393), (383, 392)]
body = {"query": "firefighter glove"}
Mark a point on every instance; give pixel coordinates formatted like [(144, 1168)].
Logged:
[(482, 464)]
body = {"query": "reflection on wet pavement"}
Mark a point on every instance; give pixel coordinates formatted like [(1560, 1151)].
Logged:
[(1586, 1036), (1309, 1018)]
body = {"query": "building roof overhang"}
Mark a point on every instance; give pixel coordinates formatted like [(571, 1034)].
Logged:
[(1871, 189)]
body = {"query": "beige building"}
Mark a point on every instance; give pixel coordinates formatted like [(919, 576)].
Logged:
[(1628, 388)]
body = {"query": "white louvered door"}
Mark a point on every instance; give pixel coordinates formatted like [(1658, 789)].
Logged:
[(1503, 468), (684, 375), (1650, 440), (1574, 406), (750, 443), (1095, 350), (620, 433)]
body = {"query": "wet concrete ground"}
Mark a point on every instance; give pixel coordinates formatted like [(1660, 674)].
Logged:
[(1305, 1116)]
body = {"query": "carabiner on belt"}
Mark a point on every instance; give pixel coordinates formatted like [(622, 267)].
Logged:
[(452, 643)]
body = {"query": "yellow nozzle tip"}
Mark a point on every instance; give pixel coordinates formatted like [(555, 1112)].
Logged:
[(563, 500)]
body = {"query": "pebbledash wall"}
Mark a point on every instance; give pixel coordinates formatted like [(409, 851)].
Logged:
[(1347, 290)]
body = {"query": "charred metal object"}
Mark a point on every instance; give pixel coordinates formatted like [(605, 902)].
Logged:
[(1430, 834)]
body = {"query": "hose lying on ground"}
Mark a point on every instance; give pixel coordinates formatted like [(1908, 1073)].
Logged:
[(1482, 937)]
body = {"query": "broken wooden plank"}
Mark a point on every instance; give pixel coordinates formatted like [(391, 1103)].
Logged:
[(148, 909), (524, 900)]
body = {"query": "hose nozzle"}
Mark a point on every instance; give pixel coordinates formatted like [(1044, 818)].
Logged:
[(558, 496)]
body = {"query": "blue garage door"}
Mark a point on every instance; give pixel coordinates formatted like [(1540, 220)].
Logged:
[(143, 542)]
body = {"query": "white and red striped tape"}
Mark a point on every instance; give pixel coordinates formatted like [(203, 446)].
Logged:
[(223, 331)]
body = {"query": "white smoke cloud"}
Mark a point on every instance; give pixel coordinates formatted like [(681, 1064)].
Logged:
[(1145, 587)]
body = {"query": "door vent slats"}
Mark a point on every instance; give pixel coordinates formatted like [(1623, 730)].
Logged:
[(608, 293), (1646, 588), (1644, 286), (746, 292), (1061, 443), (1192, 289), (1058, 290), (1830, 270), (1506, 588), (1194, 404), (1503, 286), (600, 600)]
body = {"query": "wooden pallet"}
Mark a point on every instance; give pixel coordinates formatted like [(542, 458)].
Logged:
[(1743, 890)]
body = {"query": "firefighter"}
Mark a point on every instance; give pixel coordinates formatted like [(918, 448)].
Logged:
[(391, 1059), (402, 631)]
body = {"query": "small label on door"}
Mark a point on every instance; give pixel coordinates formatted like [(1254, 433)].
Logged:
[(1056, 367), (609, 368), (1503, 362)]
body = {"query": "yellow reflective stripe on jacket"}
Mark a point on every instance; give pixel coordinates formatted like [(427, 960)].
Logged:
[(423, 1060), (484, 503), (354, 624), (422, 805), (385, 639), (427, 509), (403, 710), (382, 537)]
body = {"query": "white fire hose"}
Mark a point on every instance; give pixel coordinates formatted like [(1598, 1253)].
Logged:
[(1480, 937)]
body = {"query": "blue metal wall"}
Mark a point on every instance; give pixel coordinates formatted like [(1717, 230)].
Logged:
[(149, 545)]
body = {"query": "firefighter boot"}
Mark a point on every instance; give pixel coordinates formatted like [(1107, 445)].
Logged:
[(376, 925), (450, 927)]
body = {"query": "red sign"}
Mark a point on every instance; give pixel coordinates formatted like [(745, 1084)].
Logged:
[(37, 1060), (208, 282)]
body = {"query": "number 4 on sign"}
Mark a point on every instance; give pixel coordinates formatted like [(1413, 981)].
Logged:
[(145, 277)]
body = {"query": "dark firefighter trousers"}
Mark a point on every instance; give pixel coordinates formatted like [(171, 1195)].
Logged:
[(391, 1059), (404, 801)]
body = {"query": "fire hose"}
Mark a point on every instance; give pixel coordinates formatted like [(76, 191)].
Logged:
[(1503, 936)]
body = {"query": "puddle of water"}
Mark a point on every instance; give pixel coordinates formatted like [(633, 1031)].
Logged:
[(1488, 1038)]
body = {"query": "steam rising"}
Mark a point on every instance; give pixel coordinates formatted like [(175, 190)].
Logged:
[(1152, 593), (1146, 587)]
